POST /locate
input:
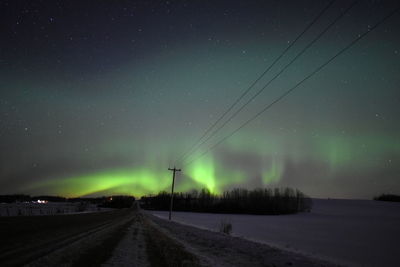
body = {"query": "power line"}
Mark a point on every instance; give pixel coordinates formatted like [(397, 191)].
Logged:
[(277, 75), (298, 84), (183, 156)]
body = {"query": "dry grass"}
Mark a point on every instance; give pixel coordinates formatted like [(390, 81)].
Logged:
[(225, 227)]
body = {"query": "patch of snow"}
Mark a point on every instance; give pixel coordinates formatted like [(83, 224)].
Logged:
[(217, 249), (131, 250), (349, 232)]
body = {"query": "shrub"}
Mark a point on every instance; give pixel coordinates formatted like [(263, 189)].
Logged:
[(225, 227)]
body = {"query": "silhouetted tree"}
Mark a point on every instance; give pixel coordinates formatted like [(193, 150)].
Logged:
[(388, 197), (238, 200)]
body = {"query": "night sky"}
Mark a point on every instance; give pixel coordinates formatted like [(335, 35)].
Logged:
[(101, 97)]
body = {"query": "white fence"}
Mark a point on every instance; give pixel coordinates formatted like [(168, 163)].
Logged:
[(50, 208)]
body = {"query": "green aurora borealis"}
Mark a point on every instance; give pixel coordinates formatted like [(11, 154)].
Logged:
[(104, 103), (334, 153)]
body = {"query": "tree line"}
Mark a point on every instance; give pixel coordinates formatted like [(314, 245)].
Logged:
[(239, 200), (388, 197)]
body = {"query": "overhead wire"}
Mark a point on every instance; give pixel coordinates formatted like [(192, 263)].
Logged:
[(195, 144), (360, 36), (330, 25)]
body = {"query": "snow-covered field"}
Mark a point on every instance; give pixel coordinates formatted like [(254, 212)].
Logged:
[(50, 208), (349, 232)]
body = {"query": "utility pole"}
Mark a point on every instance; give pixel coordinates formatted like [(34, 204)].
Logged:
[(172, 189)]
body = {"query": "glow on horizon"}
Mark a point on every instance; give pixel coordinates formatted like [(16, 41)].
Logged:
[(216, 174)]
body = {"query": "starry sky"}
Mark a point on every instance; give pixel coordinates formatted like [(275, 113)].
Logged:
[(100, 98)]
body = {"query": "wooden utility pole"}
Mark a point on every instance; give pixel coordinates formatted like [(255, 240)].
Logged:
[(172, 189)]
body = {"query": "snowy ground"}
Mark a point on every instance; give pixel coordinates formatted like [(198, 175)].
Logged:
[(349, 232), (131, 250), (217, 249)]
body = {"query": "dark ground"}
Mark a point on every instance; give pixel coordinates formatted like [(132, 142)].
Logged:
[(27, 238), (83, 240), (139, 239)]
